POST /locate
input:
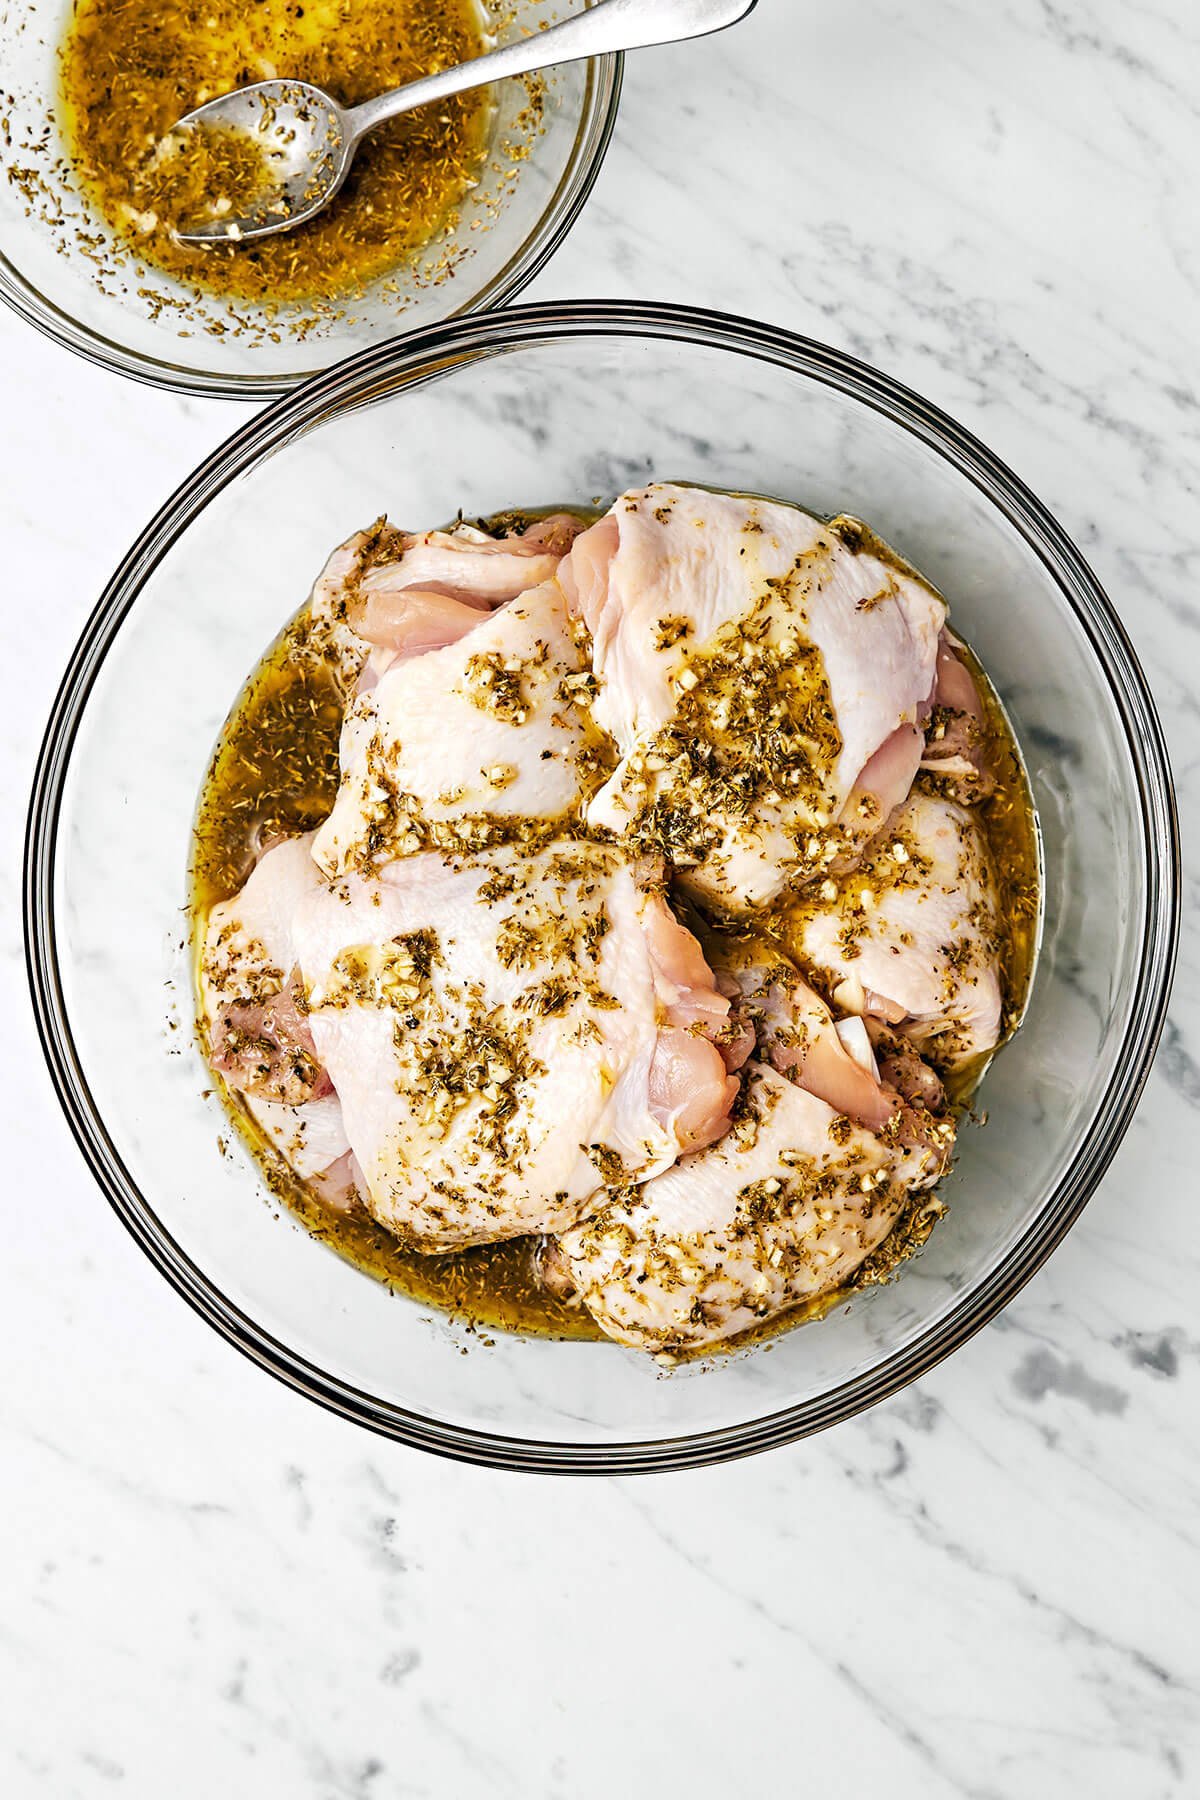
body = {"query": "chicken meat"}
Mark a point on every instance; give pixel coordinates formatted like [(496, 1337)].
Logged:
[(825, 1153), (956, 738), (365, 581), (783, 1209), (836, 1059), (766, 676), (652, 909), (450, 744), (507, 1035), (253, 1011), (911, 938)]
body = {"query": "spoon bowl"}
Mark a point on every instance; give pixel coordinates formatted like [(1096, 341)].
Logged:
[(306, 153)]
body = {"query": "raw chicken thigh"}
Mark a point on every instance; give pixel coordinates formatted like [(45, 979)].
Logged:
[(379, 575), (432, 593), (835, 1059), (911, 937), (766, 677), (452, 748), (252, 1005), (785, 1207), (259, 1037), (471, 705), (504, 1035), (823, 1156), (386, 593)]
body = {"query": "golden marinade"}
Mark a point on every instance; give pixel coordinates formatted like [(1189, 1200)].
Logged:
[(131, 68)]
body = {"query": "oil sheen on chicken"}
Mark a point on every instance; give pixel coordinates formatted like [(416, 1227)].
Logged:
[(471, 999), (911, 937), (469, 721), (785, 1207), (503, 1037), (825, 1153), (766, 676)]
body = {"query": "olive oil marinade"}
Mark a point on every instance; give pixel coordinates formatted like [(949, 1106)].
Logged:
[(131, 68), (274, 773)]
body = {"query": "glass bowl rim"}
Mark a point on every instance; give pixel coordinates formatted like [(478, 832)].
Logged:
[(598, 117), (393, 367)]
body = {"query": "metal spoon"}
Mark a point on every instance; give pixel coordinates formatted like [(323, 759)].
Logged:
[(308, 140)]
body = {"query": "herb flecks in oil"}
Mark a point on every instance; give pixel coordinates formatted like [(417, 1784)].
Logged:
[(131, 68)]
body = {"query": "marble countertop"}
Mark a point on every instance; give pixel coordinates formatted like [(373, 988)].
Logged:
[(209, 1586)]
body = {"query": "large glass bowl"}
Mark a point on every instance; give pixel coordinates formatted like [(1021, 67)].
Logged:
[(142, 323), (538, 405)]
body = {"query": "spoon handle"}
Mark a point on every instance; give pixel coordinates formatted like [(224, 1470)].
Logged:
[(610, 26)]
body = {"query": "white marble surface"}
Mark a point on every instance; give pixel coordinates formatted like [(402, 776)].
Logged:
[(986, 1587)]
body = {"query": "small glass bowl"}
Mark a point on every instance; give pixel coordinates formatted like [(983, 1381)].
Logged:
[(533, 406), (62, 269)]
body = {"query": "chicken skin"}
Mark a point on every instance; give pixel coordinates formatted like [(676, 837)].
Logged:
[(911, 937), (492, 1042), (252, 1008), (504, 1035), (765, 675), (467, 742), (824, 1155), (469, 711), (785, 1207)]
